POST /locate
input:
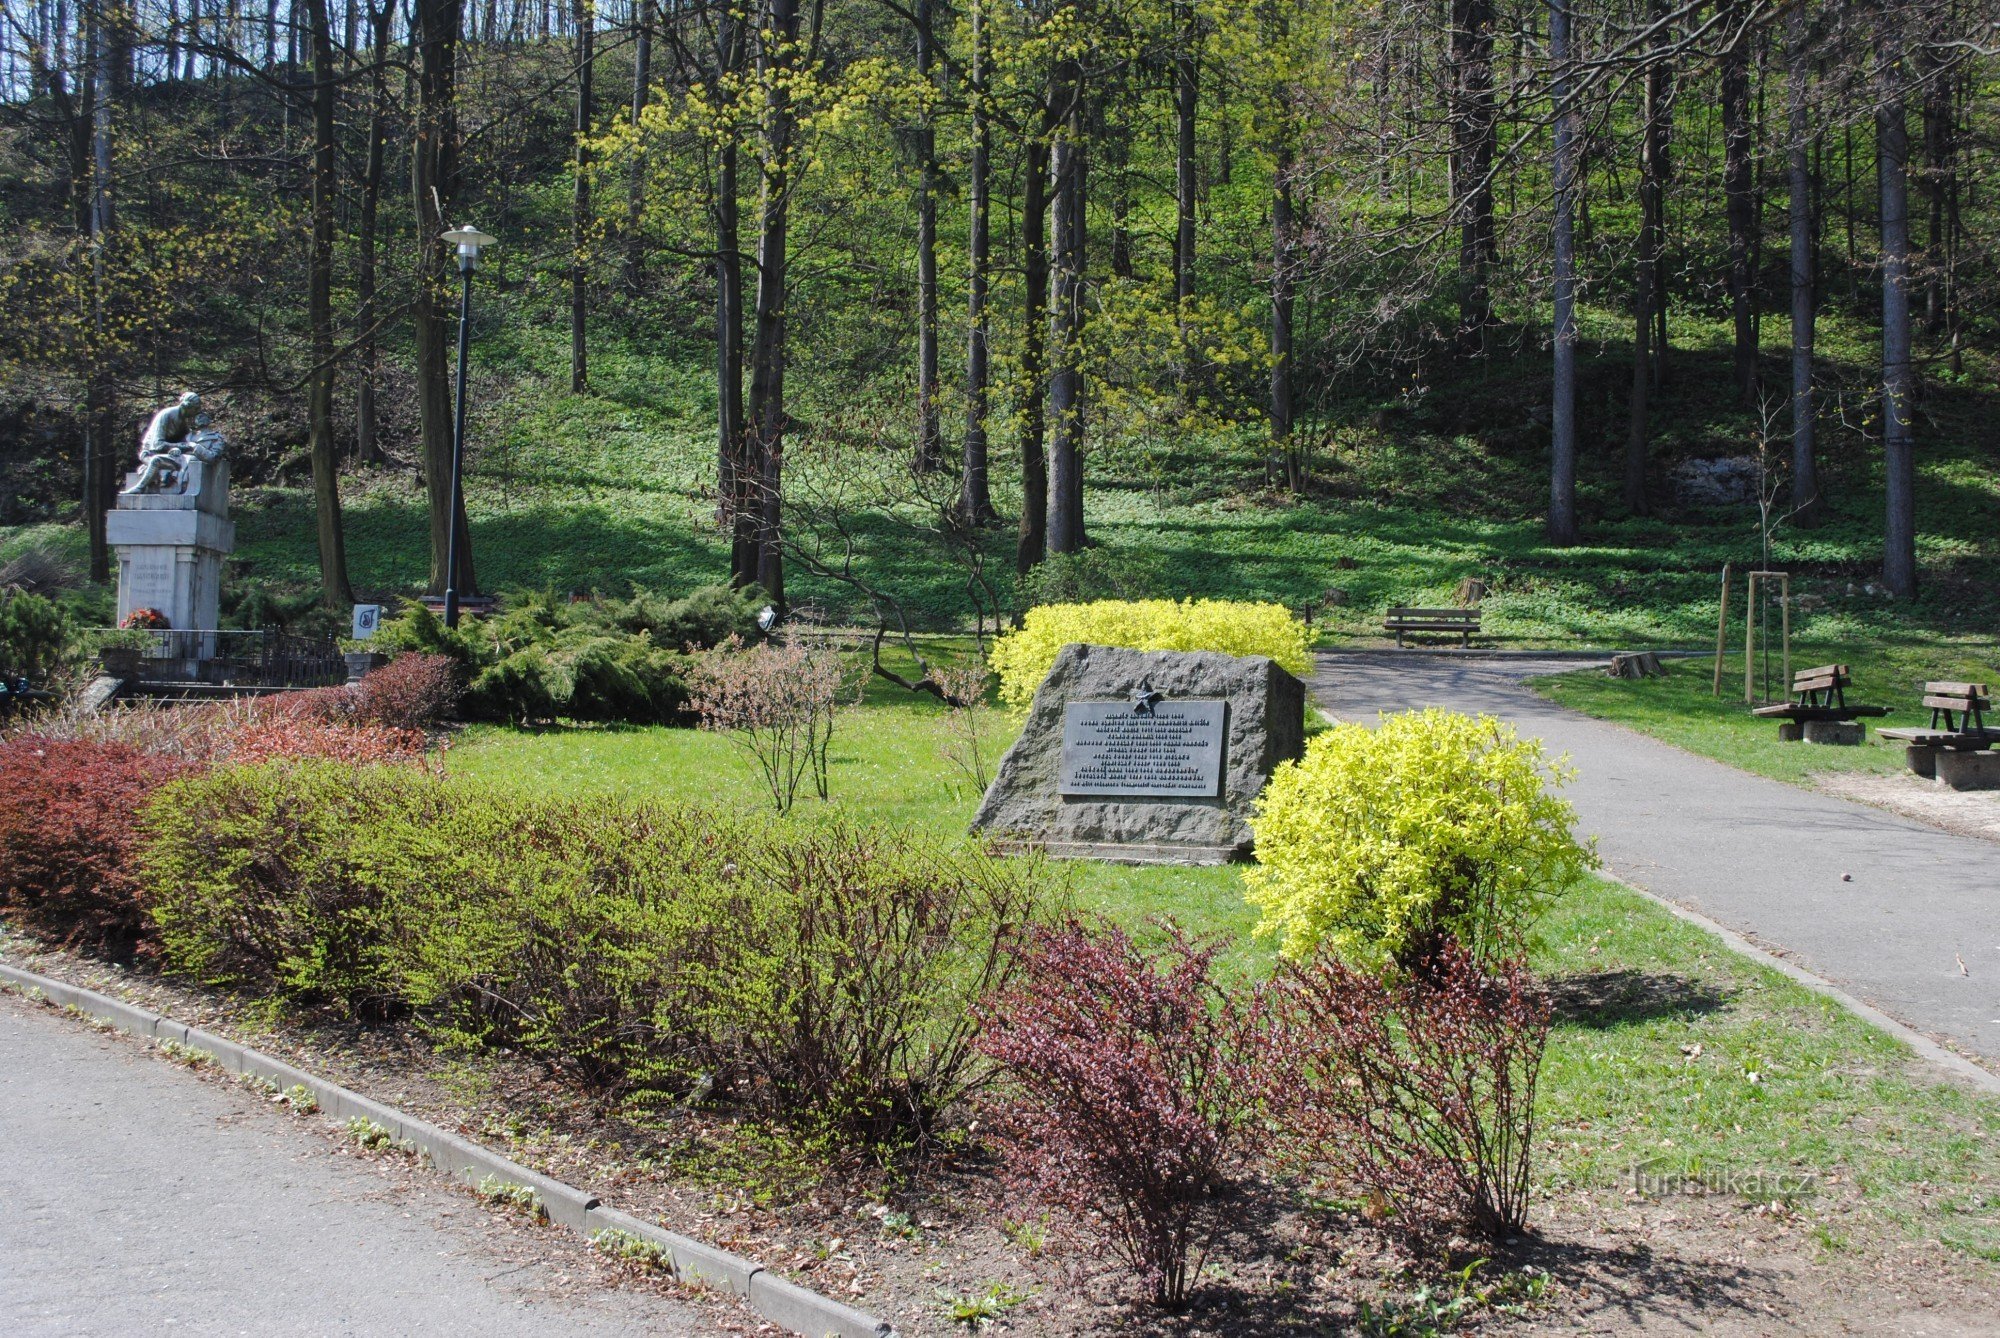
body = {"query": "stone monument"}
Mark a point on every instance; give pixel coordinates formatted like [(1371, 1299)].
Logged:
[(171, 527), (1145, 757)]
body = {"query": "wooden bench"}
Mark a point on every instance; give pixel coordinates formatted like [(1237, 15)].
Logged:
[(1819, 699), (1958, 725), (1462, 622)]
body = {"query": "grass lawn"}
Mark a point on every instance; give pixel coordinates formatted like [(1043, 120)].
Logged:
[(1680, 708), (1672, 1050)]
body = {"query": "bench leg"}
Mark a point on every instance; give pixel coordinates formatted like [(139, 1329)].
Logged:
[(1843, 732), (1790, 731), (1922, 760), (1958, 769)]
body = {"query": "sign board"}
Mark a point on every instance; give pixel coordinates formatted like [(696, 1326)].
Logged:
[(1161, 748), (367, 617)]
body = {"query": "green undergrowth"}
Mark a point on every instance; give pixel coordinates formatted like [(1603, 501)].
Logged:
[(1684, 709)]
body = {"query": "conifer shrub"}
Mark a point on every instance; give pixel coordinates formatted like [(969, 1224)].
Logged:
[(1132, 1085), (1384, 844), (1417, 1089), (68, 832), (1024, 656)]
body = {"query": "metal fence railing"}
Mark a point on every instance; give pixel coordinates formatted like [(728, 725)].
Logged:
[(265, 658)]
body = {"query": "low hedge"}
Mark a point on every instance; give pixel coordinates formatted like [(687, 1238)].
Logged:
[(1024, 656), (828, 973)]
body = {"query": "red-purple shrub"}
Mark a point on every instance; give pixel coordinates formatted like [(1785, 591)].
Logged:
[(1133, 1086), (69, 813), (410, 692), (1418, 1088), (303, 736)]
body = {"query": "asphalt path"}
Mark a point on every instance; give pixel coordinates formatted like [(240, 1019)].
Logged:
[(1900, 915), (139, 1198)]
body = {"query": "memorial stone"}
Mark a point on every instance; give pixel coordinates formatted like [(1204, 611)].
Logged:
[(1145, 756)]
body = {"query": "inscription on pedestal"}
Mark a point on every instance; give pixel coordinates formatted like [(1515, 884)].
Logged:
[(1168, 748)]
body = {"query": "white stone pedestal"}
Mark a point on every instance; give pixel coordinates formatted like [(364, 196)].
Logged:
[(170, 548)]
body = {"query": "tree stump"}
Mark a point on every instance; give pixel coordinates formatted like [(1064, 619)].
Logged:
[(1636, 664)]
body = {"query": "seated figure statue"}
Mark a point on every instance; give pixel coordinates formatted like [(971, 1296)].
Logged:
[(176, 440)]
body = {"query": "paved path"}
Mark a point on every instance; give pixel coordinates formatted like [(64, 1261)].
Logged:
[(1762, 857), (138, 1198)]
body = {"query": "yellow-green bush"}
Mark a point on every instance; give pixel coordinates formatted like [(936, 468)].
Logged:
[(1023, 657), (1380, 843)]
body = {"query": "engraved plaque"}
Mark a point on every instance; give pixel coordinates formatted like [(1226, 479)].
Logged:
[(1174, 748)]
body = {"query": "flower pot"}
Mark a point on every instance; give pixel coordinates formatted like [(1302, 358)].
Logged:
[(360, 662)]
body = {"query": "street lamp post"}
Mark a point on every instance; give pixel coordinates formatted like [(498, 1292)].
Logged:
[(468, 240)]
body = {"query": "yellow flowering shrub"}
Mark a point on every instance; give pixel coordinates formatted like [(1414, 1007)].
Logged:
[(1378, 843), (1024, 656)]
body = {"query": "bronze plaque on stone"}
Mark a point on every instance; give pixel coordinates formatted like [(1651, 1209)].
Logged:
[(1150, 747)]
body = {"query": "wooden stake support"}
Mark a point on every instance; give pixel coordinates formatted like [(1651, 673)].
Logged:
[(1721, 626)]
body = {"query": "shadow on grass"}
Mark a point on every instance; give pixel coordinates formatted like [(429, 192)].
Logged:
[(1601, 1000)]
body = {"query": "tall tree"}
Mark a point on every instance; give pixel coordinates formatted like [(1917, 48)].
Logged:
[(1652, 154), (975, 490), (434, 180), (1066, 377), (100, 473), (930, 433), (635, 188), (1187, 98), (1032, 544), (334, 590), (1806, 502), (1899, 381), (367, 443), (1562, 522), (1474, 130), (1740, 205), (583, 14)]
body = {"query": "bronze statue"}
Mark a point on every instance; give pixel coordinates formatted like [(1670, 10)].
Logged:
[(177, 439)]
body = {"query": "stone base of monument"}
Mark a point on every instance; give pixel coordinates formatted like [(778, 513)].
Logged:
[(170, 548), (1145, 757)]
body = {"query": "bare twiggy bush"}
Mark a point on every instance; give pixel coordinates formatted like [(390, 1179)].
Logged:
[(1417, 1088), (779, 701), (967, 720)]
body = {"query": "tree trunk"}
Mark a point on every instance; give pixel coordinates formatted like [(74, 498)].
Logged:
[(1740, 207), (737, 471), (975, 491), (1032, 545), (367, 441), (635, 189), (1892, 138), (1187, 91), (1283, 223), (1806, 502), (434, 182), (1066, 397), (1474, 127), (101, 452), (1940, 186), (583, 14), (1651, 152), (334, 591), (930, 433), (1562, 524), (777, 60)]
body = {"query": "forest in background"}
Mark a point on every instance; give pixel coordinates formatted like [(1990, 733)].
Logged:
[(927, 277)]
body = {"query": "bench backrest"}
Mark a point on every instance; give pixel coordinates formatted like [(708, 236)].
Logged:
[(1436, 614), (1821, 679), (1974, 694)]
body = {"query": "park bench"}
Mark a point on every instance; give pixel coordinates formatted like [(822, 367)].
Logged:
[(1819, 711), (1958, 732), (1462, 622)]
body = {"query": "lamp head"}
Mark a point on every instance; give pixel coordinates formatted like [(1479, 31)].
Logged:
[(468, 240)]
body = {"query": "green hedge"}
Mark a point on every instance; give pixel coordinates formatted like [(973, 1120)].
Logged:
[(820, 972)]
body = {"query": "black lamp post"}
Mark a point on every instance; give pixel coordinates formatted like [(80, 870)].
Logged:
[(468, 240)]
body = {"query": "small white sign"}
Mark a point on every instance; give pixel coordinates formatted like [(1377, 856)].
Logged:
[(367, 617)]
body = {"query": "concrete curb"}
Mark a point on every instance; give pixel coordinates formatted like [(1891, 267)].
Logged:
[(792, 1307), (1949, 1060)]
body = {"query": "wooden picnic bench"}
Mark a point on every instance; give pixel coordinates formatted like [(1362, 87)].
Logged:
[(1819, 708), (1958, 729), (1462, 622)]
